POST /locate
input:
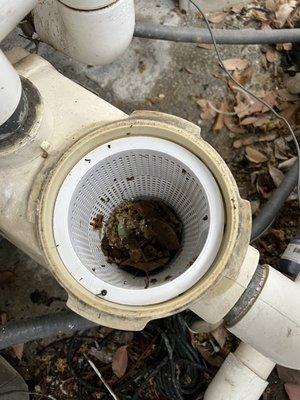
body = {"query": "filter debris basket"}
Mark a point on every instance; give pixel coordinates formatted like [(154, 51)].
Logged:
[(138, 168)]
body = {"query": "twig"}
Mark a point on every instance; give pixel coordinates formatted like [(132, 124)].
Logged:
[(101, 377)]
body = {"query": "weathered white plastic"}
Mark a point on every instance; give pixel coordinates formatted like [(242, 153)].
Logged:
[(272, 325), (242, 376), (11, 13), (10, 89), (94, 37)]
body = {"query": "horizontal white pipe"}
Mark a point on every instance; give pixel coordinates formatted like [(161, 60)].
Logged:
[(10, 89), (242, 376), (272, 325), (12, 12)]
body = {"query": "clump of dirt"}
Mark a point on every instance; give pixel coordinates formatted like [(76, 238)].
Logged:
[(142, 236)]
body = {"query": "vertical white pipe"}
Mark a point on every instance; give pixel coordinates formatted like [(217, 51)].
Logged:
[(12, 12), (242, 376), (10, 89)]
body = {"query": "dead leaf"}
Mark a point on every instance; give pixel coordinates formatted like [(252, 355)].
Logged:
[(276, 175), (205, 46), (207, 112), (283, 14), (235, 63), (288, 163), (242, 109), (120, 361), (220, 335), (293, 391), (248, 121), (272, 56), (254, 155), (253, 139), (291, 112), (230, 124), (241, 77), (237, 9), (259, 15), (284, 46), (219, 124), (18, 350), (217, 18), (271, 98)]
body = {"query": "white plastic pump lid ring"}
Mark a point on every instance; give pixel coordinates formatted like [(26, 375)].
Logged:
[(129, 169)]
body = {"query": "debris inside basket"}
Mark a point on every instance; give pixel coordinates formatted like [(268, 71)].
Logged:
[(142, 236)]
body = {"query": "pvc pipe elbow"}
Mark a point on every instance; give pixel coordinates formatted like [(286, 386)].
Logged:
[(92, 36)]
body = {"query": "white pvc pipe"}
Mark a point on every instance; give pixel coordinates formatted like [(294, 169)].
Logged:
[(242, 376), (10, 89), (92, 36), (12, 12), (272, 325)]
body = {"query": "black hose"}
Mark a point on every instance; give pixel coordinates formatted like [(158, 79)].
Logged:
[(188, 34), (268, 213), (41, 327)]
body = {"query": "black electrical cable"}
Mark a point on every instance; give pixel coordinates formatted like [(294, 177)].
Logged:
[(189, 34), (269, 211), (73, 347)]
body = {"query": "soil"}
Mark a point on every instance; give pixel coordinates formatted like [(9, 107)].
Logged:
[(142, 236)]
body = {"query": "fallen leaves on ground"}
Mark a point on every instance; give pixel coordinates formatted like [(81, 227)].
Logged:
[(120, 361), (275, 13)]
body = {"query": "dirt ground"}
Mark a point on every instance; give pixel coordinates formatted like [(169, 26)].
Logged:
[(171, 78)]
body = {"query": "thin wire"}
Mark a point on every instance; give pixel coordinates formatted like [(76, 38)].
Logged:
[(195, 3), (45, 396), (113, 395)]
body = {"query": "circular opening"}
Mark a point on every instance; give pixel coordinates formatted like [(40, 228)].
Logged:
[(129, 169)]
